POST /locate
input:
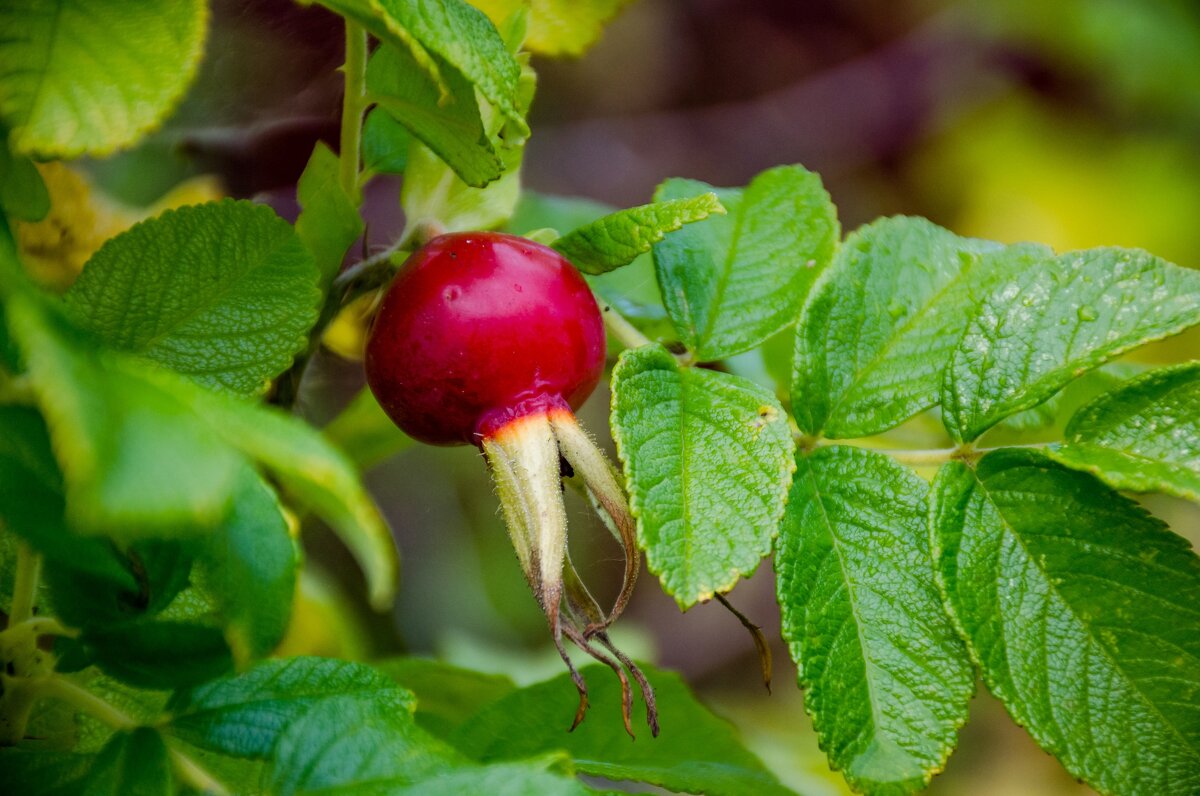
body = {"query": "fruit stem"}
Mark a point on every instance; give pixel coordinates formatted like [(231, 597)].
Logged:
[(354, 73)]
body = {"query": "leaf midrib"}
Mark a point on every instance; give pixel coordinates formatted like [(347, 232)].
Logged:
[(869, 666)]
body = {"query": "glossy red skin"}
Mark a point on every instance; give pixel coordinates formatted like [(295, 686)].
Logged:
[(478, 329)]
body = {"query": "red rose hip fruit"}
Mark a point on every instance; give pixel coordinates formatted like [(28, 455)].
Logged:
[(493, 340), (479, 329)]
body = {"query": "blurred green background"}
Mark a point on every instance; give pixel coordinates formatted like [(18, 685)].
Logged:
[(1072, 122)]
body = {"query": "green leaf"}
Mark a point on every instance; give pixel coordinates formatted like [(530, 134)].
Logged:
[(502, 779), (356, 744), (876, 334), (449, 41), (365, 433), (249, 569), (329, 222), (133, 763), (1031, 334), (446, 695), (224, 292), (696, 751), (617, 239), (432, 192), (135, 463), (114, 587), (32, 503), (92, 76), (160, 653), (46, 773), (23, 195), (314, 474), (385, 144), (1080, 609), (1049, 418), (143, 707), (454, 132), (1144, 437), (730, 282), (244, 715), (709, 459), (887, 681)]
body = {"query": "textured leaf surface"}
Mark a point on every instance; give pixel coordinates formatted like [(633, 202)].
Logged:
[(91, 76), (133, 763), (135, 463), (315, 474), (224, 292), (696, 752), (329, 221), (731, 281), (887, 680), (1081, 611), (448, 40), (619, 238), (875, 336), (1143, 437), (244, 715), (1035, 331), (357, 744), (454, 131), (709, 460)]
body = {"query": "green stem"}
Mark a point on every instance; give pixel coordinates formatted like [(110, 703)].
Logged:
[(85, 701), (354, 73), (29, 568), (628, 334), (925, 457), (192, 773)]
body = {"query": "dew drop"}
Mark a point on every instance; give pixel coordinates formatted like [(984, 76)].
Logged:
[(1087, 313), (452, 293)]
